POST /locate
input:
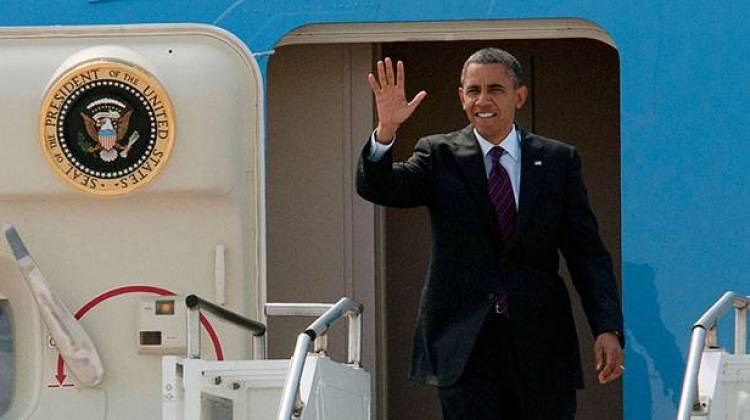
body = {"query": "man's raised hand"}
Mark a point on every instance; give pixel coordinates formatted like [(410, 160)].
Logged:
[(390, 99)]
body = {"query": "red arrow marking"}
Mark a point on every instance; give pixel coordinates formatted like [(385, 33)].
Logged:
[(60, 370), (135, 289)]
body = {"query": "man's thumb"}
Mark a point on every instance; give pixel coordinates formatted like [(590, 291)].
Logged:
[(417, 99)]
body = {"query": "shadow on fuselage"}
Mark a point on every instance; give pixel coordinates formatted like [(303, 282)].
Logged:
[(653, 358)]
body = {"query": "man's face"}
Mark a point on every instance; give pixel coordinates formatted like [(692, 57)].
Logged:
[(490, 99)]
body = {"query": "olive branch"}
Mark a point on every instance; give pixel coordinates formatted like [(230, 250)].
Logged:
[(85, 144)]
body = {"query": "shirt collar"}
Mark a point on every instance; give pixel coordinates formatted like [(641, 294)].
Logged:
[(511, 143)]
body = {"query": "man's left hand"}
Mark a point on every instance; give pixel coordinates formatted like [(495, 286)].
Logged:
[(609, 357)]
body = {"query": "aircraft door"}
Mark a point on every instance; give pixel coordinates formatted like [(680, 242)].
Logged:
[(130, 165)]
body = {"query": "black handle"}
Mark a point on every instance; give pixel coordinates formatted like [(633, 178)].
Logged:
[(257, 328)]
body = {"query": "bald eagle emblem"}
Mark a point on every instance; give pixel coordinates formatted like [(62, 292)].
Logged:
[(106, 121)]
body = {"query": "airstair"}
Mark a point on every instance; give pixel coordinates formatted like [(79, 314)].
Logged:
[(717, 382), (310, 386)]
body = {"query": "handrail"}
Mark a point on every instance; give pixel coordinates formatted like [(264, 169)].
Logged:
[(290, 404), (195, 304), (320, 343), (707, 326), (297, 309)]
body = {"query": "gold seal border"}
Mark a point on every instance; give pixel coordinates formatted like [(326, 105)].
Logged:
[(109, 65)]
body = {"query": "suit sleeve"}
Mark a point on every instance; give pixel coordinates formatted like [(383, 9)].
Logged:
[(588, 261), (403, 184)]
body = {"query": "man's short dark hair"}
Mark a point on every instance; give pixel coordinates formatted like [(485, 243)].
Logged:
[(496, 56)]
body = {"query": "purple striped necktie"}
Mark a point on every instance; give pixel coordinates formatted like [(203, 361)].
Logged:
[(501, 195), (504, 202)]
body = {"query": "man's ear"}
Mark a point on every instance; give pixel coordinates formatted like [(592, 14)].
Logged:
[(461, 98), (522, 93)]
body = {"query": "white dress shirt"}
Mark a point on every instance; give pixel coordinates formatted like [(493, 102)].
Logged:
[(377, 149), (511, 160)]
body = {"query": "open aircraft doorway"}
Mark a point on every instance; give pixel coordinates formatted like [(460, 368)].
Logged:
[(324, 241)]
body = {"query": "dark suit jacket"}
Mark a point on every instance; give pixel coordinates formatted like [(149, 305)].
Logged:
[(469, 264)]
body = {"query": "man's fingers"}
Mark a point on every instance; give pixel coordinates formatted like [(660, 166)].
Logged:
[(614, 375), (389, 76), (609, 365), (388, 86), (417, 99), (598, 351), (381, 74), (373, 83), (400, 76), (614, 366)]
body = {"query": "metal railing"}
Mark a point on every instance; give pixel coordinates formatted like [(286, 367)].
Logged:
[(704, 335), (291, 404), (195, 304)]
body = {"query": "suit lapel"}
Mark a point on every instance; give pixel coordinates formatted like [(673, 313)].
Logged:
[(532, 173), (469, 156)]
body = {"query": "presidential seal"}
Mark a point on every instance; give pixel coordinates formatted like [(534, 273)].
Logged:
[(107, 127)]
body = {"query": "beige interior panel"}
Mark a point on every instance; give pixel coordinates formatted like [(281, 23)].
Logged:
[(474, 30), (320, 233)]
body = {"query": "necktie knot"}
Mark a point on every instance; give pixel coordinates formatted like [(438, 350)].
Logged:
[(496, 152)]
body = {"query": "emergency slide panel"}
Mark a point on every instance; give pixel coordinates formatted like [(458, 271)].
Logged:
[(130, 167)]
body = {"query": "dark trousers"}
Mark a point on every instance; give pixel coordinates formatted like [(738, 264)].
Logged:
[(490, 388)]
